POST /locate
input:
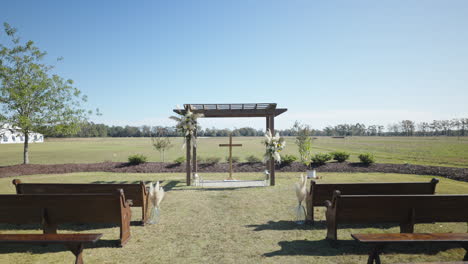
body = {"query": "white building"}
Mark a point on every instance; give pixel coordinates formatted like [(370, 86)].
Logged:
[(9, 135)]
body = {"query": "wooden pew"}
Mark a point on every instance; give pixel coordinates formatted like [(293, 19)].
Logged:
[(320, 192), (51, 210), (135, 192), (405, 210), (74, 242), (379, 241)]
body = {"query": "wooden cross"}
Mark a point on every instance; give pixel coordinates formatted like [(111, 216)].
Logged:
[(230, 145)]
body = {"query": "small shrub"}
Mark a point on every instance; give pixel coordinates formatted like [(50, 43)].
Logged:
[(253, 159), (288, 159), (367, 158), (179, 160), (137, 159), (235, 159), (213, 160), (321, 158), (340, 156)]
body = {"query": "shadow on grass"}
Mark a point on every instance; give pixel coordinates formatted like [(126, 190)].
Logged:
[(351, 247), (318, 225), (287, 225), (170, 185), (52, 248)]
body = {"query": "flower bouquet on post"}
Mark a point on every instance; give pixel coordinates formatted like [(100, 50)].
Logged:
[(156, 196), (301, 192), (187, 125), (274, 145)]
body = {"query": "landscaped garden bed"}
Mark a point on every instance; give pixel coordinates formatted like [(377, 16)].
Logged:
[(460, 174)]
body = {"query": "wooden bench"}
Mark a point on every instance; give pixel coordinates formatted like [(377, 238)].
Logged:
[(320, 192), (135, 192), (405, 210), (51, 210), (74, 242), (379, 241)]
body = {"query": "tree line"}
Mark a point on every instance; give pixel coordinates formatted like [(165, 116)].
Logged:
[(454, 127)]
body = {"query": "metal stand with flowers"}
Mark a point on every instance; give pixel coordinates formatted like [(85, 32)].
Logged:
[(156, 196), (301, 192), (267, 178)]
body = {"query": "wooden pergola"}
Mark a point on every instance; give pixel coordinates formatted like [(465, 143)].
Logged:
[(267, 110)]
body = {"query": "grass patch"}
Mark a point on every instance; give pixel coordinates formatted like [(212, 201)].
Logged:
[(440, 151), (246, 225)]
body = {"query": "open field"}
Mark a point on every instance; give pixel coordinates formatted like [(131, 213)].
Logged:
[(249, 225), (439, 151)]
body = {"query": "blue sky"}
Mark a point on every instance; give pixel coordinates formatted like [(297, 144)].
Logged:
[(328, 62)]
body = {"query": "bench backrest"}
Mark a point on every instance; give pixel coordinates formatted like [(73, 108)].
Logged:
[(63, 208), (321, 192), (400, 208), (135, 192)]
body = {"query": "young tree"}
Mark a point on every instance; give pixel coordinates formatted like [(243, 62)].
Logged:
[(161, 144), (31, 97), (304, 142)]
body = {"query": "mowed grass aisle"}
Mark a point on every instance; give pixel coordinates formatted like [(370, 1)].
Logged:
[(249, 225)]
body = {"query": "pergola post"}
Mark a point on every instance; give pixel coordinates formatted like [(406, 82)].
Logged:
[(271, 127), (194, 156), (188, 160)]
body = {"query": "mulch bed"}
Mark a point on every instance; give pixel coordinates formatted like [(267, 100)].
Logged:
[(460, 174)]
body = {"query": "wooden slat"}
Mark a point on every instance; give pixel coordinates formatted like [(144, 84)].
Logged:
[(233, 110), (49, 238), (416, 237)]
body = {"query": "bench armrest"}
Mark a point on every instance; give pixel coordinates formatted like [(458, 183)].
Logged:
[(328, 203), (129, 202), (335, 197)]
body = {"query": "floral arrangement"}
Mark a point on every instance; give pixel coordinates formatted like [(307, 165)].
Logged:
[(156, 196), (273, 144), (301, 193), (187, 125)]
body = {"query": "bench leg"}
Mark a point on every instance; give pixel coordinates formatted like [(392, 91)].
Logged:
[(143, 215), (77, 250), (310, 210), (465, 246), (406, 228), (374, 254), (50, 228)]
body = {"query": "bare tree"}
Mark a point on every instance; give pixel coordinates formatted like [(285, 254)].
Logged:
[(463, 125), (446, 126), (408, 127), (423, 127)]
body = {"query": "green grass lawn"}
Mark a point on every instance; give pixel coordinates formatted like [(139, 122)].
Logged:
[(440, 151), (247, 225)]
